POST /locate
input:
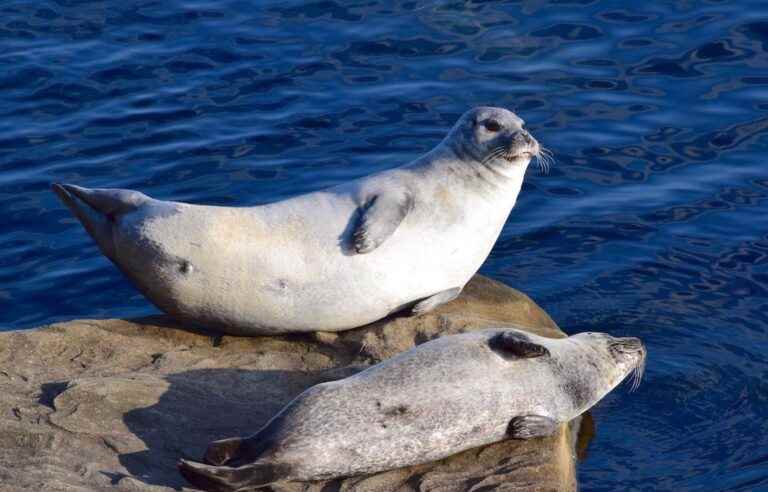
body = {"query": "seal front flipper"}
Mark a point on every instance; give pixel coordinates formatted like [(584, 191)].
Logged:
[(381, 215), (530, 426), (518, 344), (431, 302), (225, 478)]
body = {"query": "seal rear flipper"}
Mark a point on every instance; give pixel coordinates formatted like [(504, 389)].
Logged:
[(222, 451), (95, 223), (518, 344), (97, 210), (530, 426), (225, 478), (106, 201), (431, 302), (381, 215)]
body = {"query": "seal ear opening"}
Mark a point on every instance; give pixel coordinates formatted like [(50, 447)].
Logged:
[(225, 478), (516, 344)]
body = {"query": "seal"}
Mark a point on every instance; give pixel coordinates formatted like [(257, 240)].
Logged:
[(408, 238), (437, 399)]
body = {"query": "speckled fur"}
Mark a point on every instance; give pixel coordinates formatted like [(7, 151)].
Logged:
[(329, 260), (453, 393)]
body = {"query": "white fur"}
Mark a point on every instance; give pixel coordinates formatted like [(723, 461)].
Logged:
[(283, 267)]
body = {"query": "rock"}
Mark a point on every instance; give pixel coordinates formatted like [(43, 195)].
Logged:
[(112, 404)]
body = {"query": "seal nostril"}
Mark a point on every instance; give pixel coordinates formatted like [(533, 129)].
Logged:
[(520, 137)]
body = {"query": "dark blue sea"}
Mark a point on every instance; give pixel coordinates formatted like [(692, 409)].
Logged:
[(653, 222)]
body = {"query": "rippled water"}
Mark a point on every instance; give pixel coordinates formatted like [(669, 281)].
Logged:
[(653, 223)]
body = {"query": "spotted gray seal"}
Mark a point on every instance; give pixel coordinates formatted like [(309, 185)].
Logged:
[(406, 238), (437, 399)]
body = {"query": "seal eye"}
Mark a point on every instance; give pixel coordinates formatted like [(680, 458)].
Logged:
[(492, 125)]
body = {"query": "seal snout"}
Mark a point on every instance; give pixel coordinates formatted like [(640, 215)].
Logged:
[(522, 145), (627, 345), (631, 350)]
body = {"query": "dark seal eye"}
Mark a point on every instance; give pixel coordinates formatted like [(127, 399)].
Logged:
[(492, 125)]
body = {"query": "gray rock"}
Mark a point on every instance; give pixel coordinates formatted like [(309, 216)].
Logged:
[(112, 404)]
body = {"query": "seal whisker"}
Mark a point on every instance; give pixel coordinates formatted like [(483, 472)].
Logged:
[(491, 155), (638, 371), (545, 160), (499, 151), (631, 347), (495, 152)]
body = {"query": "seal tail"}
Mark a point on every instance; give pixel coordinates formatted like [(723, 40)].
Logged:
[(97, 209), (225, 478)]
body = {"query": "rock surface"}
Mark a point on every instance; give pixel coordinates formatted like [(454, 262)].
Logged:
[(112, 404)]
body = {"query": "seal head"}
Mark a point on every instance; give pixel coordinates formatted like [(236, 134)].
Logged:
[(597, 363), (495, 138)]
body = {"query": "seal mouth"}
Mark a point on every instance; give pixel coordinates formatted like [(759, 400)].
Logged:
[(517, 153), (521, 155), (633, 348)]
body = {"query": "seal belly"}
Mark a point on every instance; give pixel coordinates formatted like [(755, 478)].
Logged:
[(274, 268), (277, 268), (254, 269), (204, 273), (407, 410)]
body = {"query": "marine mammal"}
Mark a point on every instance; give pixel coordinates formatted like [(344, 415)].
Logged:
[(437, 399), (406, 238)]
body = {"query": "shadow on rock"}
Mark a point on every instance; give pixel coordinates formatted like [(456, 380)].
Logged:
[(200, 406)]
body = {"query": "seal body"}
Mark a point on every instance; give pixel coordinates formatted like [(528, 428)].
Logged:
[(409, 237), (442, 397)]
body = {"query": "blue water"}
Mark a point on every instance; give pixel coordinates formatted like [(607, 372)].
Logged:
[(653, 223)]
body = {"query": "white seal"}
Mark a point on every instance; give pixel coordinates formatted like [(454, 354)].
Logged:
[(405, 238)]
